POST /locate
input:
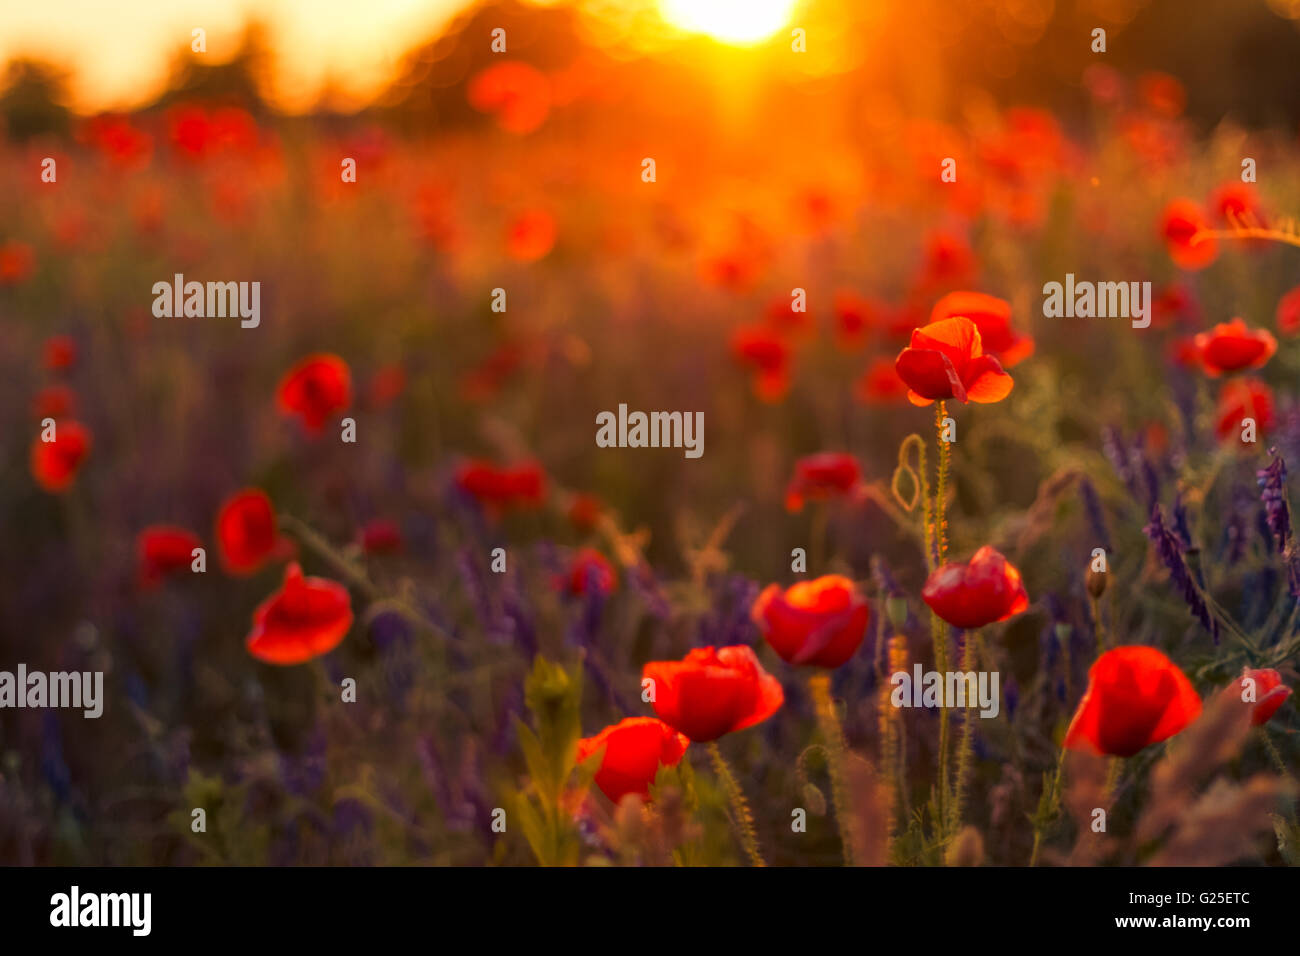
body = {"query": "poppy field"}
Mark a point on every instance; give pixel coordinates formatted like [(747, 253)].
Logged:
[(678, 455)]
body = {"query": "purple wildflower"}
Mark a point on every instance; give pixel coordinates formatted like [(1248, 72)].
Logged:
[(1171, 549)]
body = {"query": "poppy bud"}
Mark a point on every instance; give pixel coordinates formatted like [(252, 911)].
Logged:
[(1096, 582)]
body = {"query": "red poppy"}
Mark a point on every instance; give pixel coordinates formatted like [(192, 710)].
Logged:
[(992, 316), (17, 262), (589, 568), (1136, 697), (517, 95), (1240, 399), (769, 355), (1237, 203), (855, 319), (584, 511), (114, 138), (387, 385), (946, 359), (829, 474), (381, 537), (315, 389), (247, 536), (1231, 347), (1264, 696), (947, 259), (55, 463), (1180, 222), (54, 401), (516, 486), (635, 748), (306, 618), (189, 130), (60, 353), (1162, 93), (985, 589), (819, 622), (1175, 301), (162, 550), (713, 691), (782, 317), (1288, 312), (530, 235)]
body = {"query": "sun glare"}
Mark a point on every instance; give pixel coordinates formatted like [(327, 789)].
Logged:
[(731, 21)]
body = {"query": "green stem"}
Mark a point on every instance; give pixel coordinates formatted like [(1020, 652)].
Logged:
[(819, 685), (941, 487), (966, 749), (743, 819), (1047, 808)]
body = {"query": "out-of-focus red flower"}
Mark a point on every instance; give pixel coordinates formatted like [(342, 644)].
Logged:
[(1174, 302), (189, 130), (782, 317), (115, 138), (946, 359), (1136, 697), (819, 622), (1104, 84), (484, 381), (246, 532), (1162, 93), (1266, 694), (880, 384), (55, 463), (1240, 399), (985, 589), (387, 385), (306, 618), (635, 748), (769, 355), (315, 389), (162, 550), (992, 316), (589, 568), (713, 691), (855, 319), (947, 260), (584, 511), (825, 475), (54, 401), (1288, 312), (60, 353), (1236, 203), (1179, 223), (17, 262), (516, 94), (381, 536), (517, 486), (530, 235), (1231, 347)]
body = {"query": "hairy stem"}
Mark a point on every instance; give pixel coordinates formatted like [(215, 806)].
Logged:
[(819, 685), (966, 749), (742, 818)]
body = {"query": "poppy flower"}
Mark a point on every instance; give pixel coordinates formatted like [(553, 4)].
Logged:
[(162, 550), (1136, 697), (306, 618), (1240, 399), (855, 318), (315, 389), (517, 95), (1267, 694), (947, 259), (247, 536), (1181, 221), (17, 262), (54, 401), (60, 353), (516, 486), (782, 317), (985, 589), (530, 235), (829, 474), (1231, 347), (635, 748), (387, 385), (992, 316), (946, 359), (1162, 93), (880, 384), (769, 355), (381, 537), (1237, 203), (55, 463), (584, 511), (713, 691), (589, 568), (1288, 312), (820, 622)]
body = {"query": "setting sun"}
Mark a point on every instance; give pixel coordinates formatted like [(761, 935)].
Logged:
[(732, 21)]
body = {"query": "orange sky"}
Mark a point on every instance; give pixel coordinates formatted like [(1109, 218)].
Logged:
[(118, 49)]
